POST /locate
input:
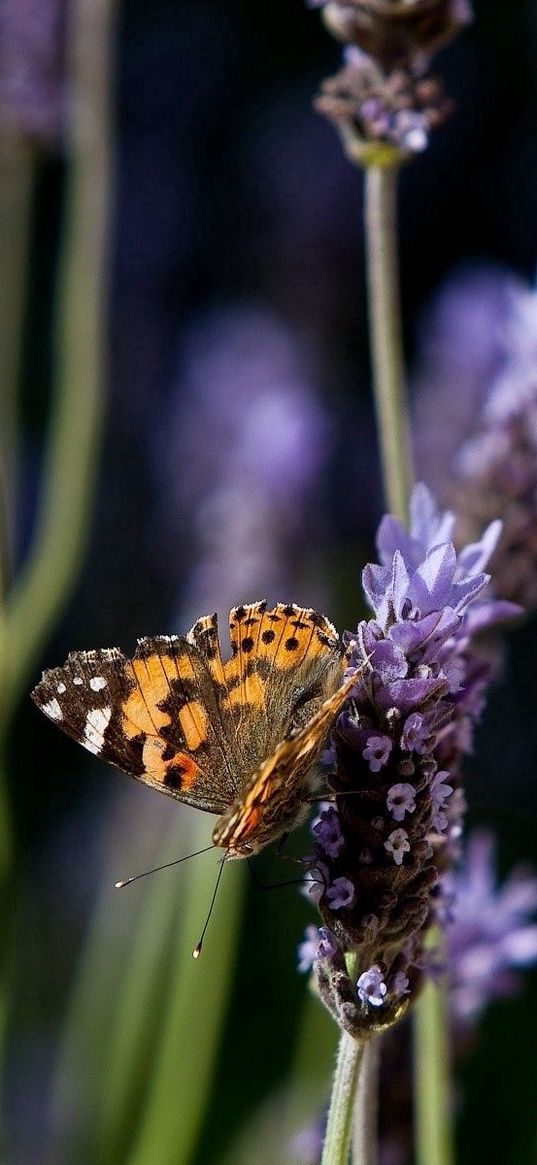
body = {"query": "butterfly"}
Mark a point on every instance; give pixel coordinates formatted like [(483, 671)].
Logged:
[(236, 738)]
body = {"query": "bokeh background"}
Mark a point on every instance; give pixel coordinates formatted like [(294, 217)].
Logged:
[(168, 156)]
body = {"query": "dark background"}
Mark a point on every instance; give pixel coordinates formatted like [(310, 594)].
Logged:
[(231, 190)]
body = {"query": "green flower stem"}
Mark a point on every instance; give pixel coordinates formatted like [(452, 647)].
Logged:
[(434, 1138), (16, 188), (385, 334), (365, 1134), (17, 170), (433, 1116), (337, 1144), (71, 455)]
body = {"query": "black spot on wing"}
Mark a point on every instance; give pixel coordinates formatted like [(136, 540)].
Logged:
[(173, 778)]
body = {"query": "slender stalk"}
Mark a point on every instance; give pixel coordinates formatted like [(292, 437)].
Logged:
[(385, 335), (70, 461), (434, 1139), (337, 1142), (365, 1136), (434, 1134), (16, 189)]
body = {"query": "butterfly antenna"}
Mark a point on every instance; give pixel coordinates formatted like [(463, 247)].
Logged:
[(166, 866), (197, 949)]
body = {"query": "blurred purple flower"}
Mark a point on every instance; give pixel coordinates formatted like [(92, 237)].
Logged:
[(489, 932), (395, 33), (375, 110), (240, 454), (318, 943), (461, 348), (31, 68), (491, 440)]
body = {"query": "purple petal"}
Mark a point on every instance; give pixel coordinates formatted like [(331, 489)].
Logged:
[(428, 524), (474, 557)]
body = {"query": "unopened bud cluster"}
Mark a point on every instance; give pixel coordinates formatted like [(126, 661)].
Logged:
[(384, 95)]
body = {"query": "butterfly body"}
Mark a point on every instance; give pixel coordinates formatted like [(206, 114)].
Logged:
[(237, 738)]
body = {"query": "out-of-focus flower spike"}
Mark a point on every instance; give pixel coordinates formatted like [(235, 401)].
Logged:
[(489, 929), (488, 324), (383, 119), (394, 31), (383, 101)]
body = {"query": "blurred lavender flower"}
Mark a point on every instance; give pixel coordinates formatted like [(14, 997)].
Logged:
[(392, 31), (460, 349), (373, 110), (384, 101), (489, 932), (490, 937), (493, 460), (31, 68), (240, 455), (400, 746)]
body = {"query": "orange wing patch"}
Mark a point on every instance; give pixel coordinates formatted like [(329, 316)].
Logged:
[(277, 640), (288, 634), (154, 676), (241, 673)]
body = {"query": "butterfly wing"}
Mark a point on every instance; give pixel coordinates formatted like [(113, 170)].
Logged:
[(284, 662), (156, 717), (274, 799)]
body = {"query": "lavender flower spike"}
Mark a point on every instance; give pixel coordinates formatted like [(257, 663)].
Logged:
[(398, 750)]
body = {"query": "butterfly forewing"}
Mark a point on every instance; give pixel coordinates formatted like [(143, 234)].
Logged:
[(155, 716)]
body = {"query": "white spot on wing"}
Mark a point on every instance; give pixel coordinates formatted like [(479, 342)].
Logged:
[(53, 710), (97, 683), (97, 722), (77, 681), (60, 689)]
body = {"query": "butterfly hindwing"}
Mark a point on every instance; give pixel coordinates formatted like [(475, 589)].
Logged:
[(276, 793)]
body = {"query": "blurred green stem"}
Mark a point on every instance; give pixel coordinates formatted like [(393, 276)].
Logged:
[(70, 461), (434, 1138), (17, 166), (16, 187), (385, 335)]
